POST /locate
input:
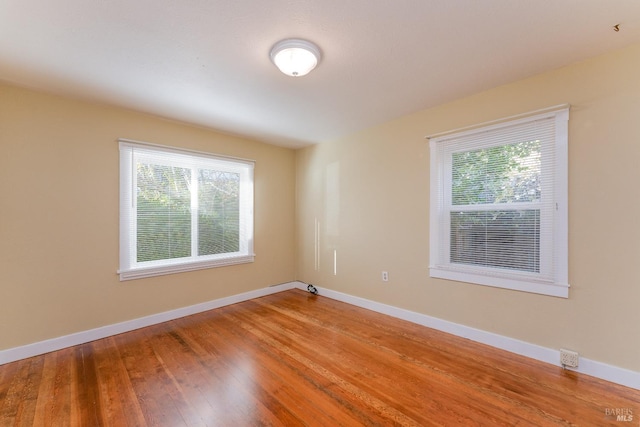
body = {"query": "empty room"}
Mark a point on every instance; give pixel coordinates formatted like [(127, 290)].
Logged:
[(315, 213)]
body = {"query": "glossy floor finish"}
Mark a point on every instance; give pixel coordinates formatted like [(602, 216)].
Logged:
[(292, 359)]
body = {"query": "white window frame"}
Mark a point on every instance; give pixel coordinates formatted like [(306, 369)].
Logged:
[(553, 278), (130, 268)]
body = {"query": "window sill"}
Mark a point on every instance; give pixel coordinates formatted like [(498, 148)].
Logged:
[(523, 285), (139, 273)]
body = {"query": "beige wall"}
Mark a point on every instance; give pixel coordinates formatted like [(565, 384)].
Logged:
[(59, 218), (370, 193)]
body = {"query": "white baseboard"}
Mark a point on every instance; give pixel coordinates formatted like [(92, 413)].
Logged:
[(42, 347), (590, 367)]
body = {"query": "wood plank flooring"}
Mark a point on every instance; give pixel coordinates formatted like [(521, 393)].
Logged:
[(294, 359)]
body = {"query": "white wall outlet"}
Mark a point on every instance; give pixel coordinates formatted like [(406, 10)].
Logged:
[(385, 276), (568, 358)]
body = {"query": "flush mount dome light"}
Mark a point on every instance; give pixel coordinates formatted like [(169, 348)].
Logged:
[(295, 57)]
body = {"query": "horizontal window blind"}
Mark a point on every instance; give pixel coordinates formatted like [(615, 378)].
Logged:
[(494, 202), (183, 210)]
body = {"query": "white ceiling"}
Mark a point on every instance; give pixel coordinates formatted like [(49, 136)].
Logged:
[(206, 62)]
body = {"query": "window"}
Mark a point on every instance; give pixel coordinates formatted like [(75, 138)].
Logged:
[(499, 205), (182, 210)]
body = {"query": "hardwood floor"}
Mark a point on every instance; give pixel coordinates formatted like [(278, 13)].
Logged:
[(292, 359)]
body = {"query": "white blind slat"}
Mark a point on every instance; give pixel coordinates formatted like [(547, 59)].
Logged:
[(184, 210), (494, 194)]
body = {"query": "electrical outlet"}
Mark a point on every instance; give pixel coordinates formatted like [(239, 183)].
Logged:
[(385, 276), (568, 358)]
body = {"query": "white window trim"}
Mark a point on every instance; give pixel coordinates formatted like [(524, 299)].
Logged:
[(129, 268), (527, 282)]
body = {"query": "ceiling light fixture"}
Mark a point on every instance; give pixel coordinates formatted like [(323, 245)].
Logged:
[(295, 57)]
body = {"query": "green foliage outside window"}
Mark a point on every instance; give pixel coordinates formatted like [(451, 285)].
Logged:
[(219, 212), (502, 174), (502, 238), (164, 213)]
